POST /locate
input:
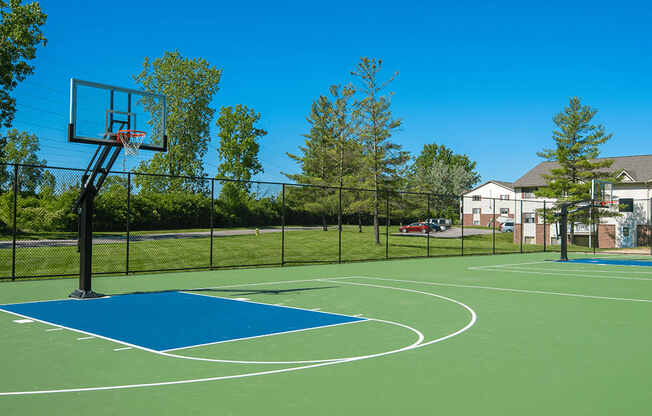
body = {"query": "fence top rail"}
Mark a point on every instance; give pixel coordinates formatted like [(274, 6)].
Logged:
[(385, 193)]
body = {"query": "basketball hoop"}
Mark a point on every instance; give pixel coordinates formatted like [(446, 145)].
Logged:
[(606, 204), (131, 140)]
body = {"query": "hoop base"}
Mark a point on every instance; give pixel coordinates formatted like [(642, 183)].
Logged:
[(85, 294)]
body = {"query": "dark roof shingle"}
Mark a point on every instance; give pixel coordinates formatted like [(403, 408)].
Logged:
[(638, 167)]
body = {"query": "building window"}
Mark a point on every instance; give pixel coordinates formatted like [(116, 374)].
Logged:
[(476, 222), (503, 197), (528, 193), (626, 205), (529, 217), (477, 197), (504, 211), (476, 210)]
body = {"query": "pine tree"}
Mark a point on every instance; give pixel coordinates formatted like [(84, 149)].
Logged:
[(577, 141)]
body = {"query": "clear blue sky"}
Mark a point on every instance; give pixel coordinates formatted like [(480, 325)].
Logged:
[(484, 79)]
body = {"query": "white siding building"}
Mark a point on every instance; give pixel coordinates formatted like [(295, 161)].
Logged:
[(492, 199), (630, 229)]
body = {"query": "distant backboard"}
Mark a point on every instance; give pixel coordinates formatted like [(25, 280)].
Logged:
[(98, 111), (602, 192)]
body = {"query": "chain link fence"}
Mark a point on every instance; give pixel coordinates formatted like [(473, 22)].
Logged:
[(145, 223)]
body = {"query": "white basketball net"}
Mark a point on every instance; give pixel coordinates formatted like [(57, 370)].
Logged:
[(131, 141)]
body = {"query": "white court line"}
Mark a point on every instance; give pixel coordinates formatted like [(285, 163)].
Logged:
[(266, 335), (267, 304), (122, 349), (60, 327), (487, 268), (54, 329), (420, 338), (93, 335), (570, 276), (23, 321), (504, 265), (503, 289), (418, 344), (83, 338), (82, 332)]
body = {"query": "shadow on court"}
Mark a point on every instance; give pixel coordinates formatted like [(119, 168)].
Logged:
[(234, 292)]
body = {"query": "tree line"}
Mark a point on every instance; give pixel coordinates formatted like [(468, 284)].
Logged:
[(348, 144)]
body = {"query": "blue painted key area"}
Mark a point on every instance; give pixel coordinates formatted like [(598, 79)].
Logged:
[(613, 262), (170, 320)]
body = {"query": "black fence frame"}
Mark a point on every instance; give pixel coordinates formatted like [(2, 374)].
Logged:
[(385, 199)]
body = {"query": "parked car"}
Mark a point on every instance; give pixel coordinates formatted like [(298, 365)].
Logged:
[(420, 227), (441, 223), (508, 227)]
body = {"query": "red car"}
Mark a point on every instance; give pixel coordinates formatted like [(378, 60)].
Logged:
[(420, 227)]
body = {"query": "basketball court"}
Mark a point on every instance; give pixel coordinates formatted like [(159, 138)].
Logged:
[(546, 333), (462, 335)]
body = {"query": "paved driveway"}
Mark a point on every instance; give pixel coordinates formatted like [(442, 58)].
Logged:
[(454, 232), (147, 237)]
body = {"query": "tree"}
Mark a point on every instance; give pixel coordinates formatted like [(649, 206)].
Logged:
[(189, 85), (577, 142), (432, 154), (239, 146), (447, 182), (383, 159), (20, 34), (22, 148), (343, 128), (317, 164), (238, 152), (440, 171)]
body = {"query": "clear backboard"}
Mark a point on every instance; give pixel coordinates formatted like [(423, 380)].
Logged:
[(602, 192), (98, 111)]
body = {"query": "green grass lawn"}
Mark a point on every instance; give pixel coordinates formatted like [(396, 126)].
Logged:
[(250, 250)]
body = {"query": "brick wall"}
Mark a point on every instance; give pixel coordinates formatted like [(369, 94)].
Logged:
[(643, 233), (539, 236), (517, 233), (485, 219), (606, 236)]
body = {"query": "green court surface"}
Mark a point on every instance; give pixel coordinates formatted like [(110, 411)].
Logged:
[(492, 335)]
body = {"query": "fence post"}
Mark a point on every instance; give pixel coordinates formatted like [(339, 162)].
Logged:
[(339, 227), (387, 227), (13, 241), (128, 221), (493, 221), (283, 226), (428, 234), (649, 228), (522, 228), (210, 257), (462, 215), (545, 225), (593, 239)]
